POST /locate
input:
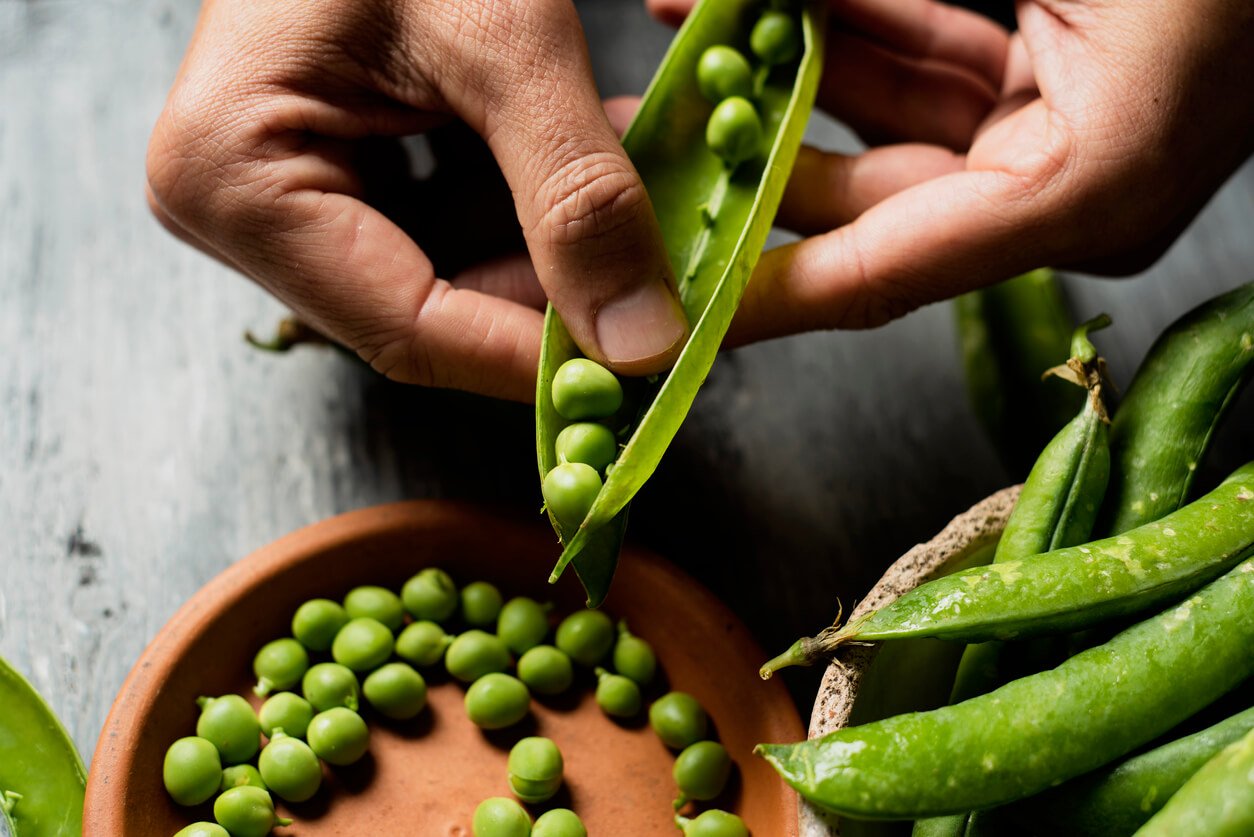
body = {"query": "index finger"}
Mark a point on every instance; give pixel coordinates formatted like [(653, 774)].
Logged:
[(931, 241)]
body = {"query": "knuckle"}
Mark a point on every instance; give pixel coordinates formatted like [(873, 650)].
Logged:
[(589, 198)]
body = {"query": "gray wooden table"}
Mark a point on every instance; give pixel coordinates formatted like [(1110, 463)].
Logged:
[(144, 447)]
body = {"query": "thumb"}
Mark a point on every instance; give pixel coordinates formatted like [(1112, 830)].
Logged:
[(589, 225)]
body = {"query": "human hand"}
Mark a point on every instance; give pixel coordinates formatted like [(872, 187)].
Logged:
[(269, 141), (1089, 139)]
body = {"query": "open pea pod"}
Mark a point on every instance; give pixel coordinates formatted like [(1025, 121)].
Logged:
[(715, 220), (42, 780)]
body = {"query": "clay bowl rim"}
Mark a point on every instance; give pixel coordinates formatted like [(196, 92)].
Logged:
[(141, 690), (977, 527)]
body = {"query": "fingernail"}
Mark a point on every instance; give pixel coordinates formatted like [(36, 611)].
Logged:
[(644, 323)]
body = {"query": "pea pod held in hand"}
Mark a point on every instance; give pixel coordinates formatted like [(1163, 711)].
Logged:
[(1066, 589), (715, 219), (1038, 730), (1119, 798), (1218, 801), (1173, 405), (42, 779)]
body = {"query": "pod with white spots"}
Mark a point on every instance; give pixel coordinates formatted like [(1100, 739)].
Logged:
[(1039, 730)]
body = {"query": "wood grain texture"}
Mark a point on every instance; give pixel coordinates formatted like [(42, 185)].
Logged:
[(144, 447)]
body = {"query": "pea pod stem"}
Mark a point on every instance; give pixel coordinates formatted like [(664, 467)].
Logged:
[(1038, 730), (8, 802), (1071, 588)]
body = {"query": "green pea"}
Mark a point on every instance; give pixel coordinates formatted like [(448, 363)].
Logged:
[(289, 768), (701, 771), (192, 770), (500, 817), (338, 736), (584, 389), (474, 654), (363, 644), (535, 769), (279, 665), (241, 775), (396, 691), (247, 812), (723, 72), (328, 685), (430, 594), (586, 636), (617, 695), (569, 491), (546, 670), (287, 711), (230, 723), (523, 624), (592, 444), (678, 720), (422, 643), (713, 823), (203, 829), (734, 131), (559, 822), (633, 657), (481, 604), (496, 701), (377, 603), (317, 622), (775, 38)]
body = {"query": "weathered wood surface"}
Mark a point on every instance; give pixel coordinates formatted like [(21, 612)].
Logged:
[(144, 447)]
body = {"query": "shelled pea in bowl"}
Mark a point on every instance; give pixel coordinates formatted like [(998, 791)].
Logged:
[(405, 669), (1070, 658)]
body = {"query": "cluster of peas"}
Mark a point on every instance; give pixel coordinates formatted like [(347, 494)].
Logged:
[(362, 635), (584, 393), (726, 78)]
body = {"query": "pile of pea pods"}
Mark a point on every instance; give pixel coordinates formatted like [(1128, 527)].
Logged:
[(1107, 686), (314, 702)]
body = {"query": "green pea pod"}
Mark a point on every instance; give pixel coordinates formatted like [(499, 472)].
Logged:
[(1066, 589), (1064, 491), (1218, 801), (42, 779), (1116, 800), (1057, 507), (1038, 730), (1008, 335), (715, 221), (1072, 588), (1173, 405)]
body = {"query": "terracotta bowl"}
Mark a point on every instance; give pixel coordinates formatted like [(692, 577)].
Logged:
[(425, 777), (880, 680)]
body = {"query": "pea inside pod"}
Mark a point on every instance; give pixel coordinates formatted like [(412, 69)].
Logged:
[(714, 220)]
